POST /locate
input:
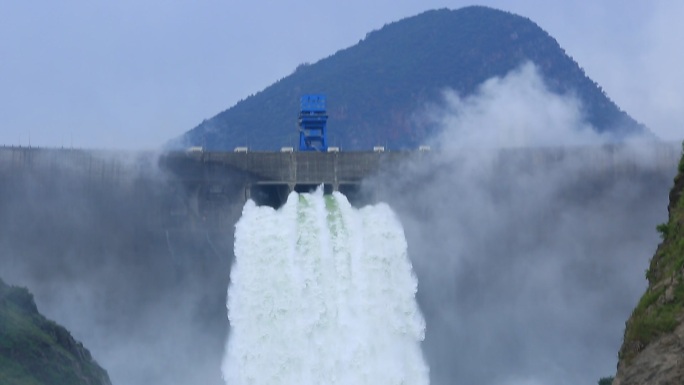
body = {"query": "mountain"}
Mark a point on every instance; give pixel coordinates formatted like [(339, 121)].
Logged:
[(374, 87), (37, 351), (653, 344)]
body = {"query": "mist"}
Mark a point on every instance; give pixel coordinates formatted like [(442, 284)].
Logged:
[(528, 232), (91, 236)]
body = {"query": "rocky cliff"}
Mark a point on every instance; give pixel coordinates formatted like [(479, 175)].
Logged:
[(653, 348), (37, 351)]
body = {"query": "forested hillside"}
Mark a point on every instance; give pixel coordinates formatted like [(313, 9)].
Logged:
[(375, 87), (37, 351)]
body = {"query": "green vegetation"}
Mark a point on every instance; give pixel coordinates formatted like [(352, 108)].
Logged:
[(37, 351), (376, 86), (661, 308), (663, 229), (606, 381)]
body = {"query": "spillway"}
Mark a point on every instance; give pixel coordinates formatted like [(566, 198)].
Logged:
[(322, 293)]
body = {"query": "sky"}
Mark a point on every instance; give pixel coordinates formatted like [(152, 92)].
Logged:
[(134, 74)]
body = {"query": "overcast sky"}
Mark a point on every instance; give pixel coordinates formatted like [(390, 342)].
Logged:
[(133, 74)]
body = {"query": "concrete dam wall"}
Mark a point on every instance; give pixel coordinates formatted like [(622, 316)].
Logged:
[(195, 187)]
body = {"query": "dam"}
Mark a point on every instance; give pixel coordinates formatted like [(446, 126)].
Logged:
[(193, 188), (268, 177)]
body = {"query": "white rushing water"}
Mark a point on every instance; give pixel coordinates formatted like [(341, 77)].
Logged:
[(322, 293)]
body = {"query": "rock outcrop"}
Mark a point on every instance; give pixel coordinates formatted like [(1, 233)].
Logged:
[(37, 351), (653, 348)]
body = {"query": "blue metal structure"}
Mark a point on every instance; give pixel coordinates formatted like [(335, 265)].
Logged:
[(312, 123)]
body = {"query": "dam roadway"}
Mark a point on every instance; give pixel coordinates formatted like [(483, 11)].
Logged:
[(280, 172)]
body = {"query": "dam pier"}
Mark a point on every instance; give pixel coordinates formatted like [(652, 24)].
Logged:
[(268, 177)]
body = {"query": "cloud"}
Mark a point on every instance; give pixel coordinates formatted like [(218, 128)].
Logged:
[(516, 110)]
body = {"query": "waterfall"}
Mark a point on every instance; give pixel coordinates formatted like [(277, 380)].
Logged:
[(322, 293)]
